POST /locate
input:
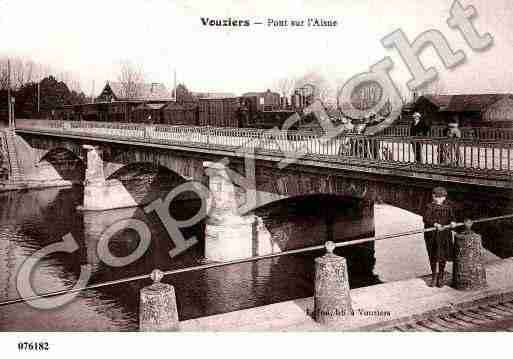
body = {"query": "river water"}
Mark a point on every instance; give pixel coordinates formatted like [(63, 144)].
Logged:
[(33, 219)]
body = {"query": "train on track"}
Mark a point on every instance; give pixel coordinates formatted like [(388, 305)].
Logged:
[(265, 109)]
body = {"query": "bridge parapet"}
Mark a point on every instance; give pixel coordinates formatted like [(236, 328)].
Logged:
[(481, 133), (470, 156)]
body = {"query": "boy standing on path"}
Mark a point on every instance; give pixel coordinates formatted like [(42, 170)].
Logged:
[(439, 243)]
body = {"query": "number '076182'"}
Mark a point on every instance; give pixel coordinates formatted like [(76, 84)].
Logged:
[(33, 346)]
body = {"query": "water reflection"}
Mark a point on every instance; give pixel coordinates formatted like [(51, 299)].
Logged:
[(34, 219)]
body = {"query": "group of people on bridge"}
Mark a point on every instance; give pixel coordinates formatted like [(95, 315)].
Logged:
[(448, 153)]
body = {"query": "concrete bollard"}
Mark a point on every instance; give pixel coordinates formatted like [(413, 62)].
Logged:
[(468, 269), (332, 300), (157, 306)]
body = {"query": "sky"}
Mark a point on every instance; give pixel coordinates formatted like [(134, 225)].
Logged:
[(91, 38)]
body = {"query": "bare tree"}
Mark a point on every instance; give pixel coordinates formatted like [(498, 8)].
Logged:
[(322, 89), (44, 71), (30, 69), (25, 71), (74, 85), (435, 87), (132, 79), (285, 86), (4, 75), (18, 73)]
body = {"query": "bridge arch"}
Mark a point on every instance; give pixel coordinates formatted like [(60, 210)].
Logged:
[(323, 216), (136, 169), (58, 154), (312, 219), (115, 157), (43, 150), (146, 181), (274, 185), (66, 164)]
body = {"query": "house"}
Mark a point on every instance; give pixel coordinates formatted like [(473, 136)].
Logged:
[(494, 110), (127, 103), (213, 95), (148, 92)]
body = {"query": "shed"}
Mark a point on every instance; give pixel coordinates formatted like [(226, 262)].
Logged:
[(149, 112)]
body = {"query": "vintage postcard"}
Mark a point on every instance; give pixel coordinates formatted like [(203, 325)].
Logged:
[(274, 166)]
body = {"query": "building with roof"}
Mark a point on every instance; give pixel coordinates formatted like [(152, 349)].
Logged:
[(469, 109), (118, 91), (213, 95)]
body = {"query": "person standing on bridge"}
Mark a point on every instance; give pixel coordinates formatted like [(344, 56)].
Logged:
[(439, 243), (452, 150), (419, 128)]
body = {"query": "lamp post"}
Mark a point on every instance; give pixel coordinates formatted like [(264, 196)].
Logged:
[(13, 122)]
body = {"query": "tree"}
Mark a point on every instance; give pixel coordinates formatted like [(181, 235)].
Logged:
[(25, 71), (183, 94), (322, 89), (25, 75), (4, 78), (132, 79), (306, 83), (55, 94), (284, 86), (435, 87)]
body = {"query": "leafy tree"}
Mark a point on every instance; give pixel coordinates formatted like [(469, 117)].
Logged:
[(54, 94)]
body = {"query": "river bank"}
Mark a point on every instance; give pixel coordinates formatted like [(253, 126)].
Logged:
[(374, 307), (7, 186)]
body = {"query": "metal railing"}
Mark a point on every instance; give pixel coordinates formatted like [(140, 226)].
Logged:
[(485, 156), (6, 149), (5, 163), (478, 133), (251, 259)]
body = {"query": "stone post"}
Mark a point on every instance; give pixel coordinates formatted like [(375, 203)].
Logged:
[(332, 299), (157, 306), (228, 235), (468, 269)]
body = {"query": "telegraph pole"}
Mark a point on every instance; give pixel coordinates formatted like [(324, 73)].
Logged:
[(38, 97), (9, 92), (174, 91)]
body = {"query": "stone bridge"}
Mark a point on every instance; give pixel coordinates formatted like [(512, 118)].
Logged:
[(107, 158)]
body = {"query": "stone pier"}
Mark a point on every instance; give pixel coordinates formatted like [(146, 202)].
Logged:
[(230, 235), (100, 194)]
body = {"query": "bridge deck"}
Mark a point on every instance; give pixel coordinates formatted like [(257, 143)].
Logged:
[(471, 161)]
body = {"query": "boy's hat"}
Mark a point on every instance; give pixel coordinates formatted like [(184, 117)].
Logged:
[(439, 192)]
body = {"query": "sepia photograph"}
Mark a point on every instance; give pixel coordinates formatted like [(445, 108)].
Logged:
[(236, 166)]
